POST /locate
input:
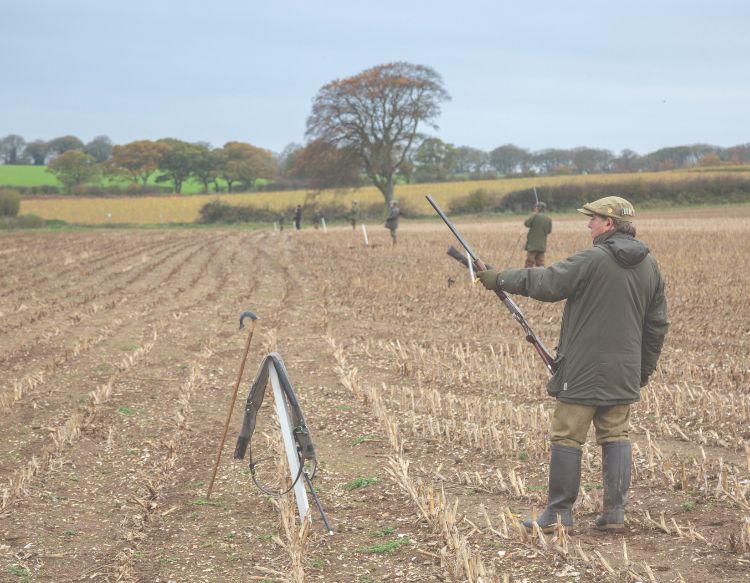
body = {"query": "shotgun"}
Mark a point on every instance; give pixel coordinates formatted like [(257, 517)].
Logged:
[(513, 308)]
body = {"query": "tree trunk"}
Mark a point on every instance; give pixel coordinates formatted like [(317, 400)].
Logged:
[(388, 191), (385, 187)]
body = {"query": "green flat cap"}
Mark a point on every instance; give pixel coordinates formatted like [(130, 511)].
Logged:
[(613, 207)]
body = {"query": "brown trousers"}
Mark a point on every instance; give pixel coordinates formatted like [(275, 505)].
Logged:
[(570, 424), (534, 259)]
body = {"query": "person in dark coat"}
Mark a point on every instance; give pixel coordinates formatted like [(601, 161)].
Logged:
[(355, 214), (298, 217), (391, 222), (540, 226), (612, 332)]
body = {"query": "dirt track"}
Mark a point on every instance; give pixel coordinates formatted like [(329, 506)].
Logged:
[(119, 351)]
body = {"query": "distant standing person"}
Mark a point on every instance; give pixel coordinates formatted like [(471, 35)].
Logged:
[(539, 225), (391, 222), (282, 220), (298, 217), (355, 214)]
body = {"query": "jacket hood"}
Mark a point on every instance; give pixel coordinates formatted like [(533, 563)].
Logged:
[(626, 250)]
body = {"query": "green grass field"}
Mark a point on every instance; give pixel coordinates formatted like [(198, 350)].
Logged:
[(13, 175), (28, 176)]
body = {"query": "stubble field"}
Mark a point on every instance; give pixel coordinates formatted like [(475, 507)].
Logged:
[(119, 351)]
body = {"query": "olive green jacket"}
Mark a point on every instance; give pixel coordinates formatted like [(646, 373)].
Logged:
[(391, 222), (540, 225), (614, 321)]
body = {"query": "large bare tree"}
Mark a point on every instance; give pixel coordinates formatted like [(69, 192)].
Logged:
[(377, 113)]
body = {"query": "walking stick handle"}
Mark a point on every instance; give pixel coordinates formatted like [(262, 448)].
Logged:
[(234, 398)]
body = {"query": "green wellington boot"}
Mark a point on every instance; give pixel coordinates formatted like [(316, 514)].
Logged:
[(564, 480), (616, 460)]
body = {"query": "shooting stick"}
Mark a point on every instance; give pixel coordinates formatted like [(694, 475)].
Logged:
[(254, 318)]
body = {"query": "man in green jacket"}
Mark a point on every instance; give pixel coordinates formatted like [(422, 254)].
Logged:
[(355, 214), (391, 221), (539, 225), (613, 328)]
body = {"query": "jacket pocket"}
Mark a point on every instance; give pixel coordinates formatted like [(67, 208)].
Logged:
[(557, 383), (619, 376)]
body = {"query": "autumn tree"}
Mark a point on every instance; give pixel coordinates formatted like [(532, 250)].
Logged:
[(676, 157), (377, 113), (73, 168), (323, 165), (737, 154), (137, 160), (710, 159), (285, 160), (241, 162)]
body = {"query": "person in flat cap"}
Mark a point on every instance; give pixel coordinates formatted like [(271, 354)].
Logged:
[(613, 328), (612, 207), (391, 221), (540, 226), (298, 217)]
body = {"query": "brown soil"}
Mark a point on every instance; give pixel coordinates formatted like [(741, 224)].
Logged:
[(119, 352)]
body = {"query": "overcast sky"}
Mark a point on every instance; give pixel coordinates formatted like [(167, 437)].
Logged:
[(539, 74)]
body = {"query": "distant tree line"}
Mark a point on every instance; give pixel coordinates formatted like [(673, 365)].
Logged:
[(435, 161), (238, 166), (169, 161)]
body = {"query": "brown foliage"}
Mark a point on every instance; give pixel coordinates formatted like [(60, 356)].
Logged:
[(137, 160), (377, 113), (322, 165), (246, 163)]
